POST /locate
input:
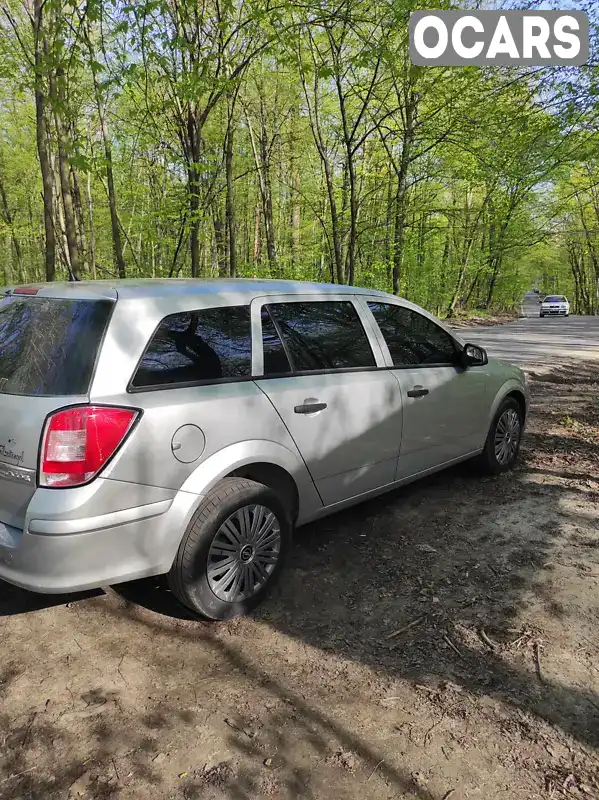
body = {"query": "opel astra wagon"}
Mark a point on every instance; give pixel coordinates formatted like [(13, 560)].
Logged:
[(187, 427)]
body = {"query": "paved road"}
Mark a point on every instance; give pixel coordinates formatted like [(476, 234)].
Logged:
[(532, 341)]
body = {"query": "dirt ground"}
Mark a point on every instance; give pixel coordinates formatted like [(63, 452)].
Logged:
[(482, 321), (440, 642)]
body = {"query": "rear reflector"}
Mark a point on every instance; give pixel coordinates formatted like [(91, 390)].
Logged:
[(77, 443)]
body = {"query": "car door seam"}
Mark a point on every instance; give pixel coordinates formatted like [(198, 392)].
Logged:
[(277, 412)]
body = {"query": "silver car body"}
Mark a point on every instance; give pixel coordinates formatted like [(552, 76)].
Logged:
[(129, 521)]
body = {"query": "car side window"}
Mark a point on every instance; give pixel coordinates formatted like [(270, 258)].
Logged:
[(198, 347), (321, 335), (412, 339)]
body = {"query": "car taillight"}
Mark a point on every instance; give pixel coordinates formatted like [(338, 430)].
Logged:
[(26, 290), (77, 443)]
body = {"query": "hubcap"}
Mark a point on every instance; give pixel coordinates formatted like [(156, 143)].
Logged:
[(507, 436), (244, 553)]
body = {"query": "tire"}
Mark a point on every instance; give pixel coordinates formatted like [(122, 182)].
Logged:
[(488, 460), (541, 315), (196, 571)]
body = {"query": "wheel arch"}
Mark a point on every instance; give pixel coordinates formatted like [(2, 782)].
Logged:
[(512, 388), (520, 398), (276, 478), (266, 462)]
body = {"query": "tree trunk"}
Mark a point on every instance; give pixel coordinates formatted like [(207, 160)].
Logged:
[(589, 241), (388, 229), (350, 183), (469, 232), (117, 242), (92, 227), (335, 228), (59, 228), (194, 207), (220, 242), (58, 95), (191, 138), (257, 249), (262, 161), (495, 264), (583, 296), (9, 219), (79, 216), (42, 142), (401, 192), (470, 291), (314, 115), (230, 200), (295, 220), (399, 231), (353, 223), (444, 263), (7, 269)]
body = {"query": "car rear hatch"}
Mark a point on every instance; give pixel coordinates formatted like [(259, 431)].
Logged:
[(48, 351)]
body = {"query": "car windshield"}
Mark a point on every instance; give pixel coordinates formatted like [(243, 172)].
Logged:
[(555, 298), (48, 346)]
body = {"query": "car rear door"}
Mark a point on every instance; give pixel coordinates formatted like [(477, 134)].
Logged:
[(444, 405), (323, 371), (48, 349)]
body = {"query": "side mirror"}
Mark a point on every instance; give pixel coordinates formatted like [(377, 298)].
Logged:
[(474, 356)]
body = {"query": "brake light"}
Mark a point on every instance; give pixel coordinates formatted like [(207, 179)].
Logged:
[(77, 443), (26, 290)]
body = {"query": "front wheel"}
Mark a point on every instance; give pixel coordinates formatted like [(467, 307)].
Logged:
[(233, 550), (503, 441), (541, 315)]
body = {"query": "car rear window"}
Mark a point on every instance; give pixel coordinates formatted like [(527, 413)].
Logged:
[(556, 298), (48, 346), (192, 347)]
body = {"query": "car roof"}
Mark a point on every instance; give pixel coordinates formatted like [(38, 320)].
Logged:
[(156, 288)]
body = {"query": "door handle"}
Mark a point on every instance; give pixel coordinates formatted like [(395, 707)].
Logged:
[(310, 408), (417, 391)]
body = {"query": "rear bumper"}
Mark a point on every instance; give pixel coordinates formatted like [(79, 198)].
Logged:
[(64, 556)]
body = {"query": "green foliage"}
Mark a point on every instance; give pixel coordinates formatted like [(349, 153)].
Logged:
[(469, 184)]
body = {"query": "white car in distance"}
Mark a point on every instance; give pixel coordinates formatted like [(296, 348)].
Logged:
[(555, 305)]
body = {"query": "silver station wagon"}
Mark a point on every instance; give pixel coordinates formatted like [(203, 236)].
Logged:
[(186, 427)]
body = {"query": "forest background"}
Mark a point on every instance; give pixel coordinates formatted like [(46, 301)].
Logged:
[(268, 138)]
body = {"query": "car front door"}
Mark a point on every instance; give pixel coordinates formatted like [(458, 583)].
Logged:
[(324, 374), (444, 405)]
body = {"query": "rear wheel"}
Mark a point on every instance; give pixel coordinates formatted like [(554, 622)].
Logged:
[(233, 550), (503, 441)]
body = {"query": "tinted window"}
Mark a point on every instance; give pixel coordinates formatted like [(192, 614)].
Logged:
[(322, 335), (48, 346), (194, 346), (412, 338), (275, 357), (555, 299)]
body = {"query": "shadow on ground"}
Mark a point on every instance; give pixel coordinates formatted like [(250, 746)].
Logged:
[(450, 566)]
